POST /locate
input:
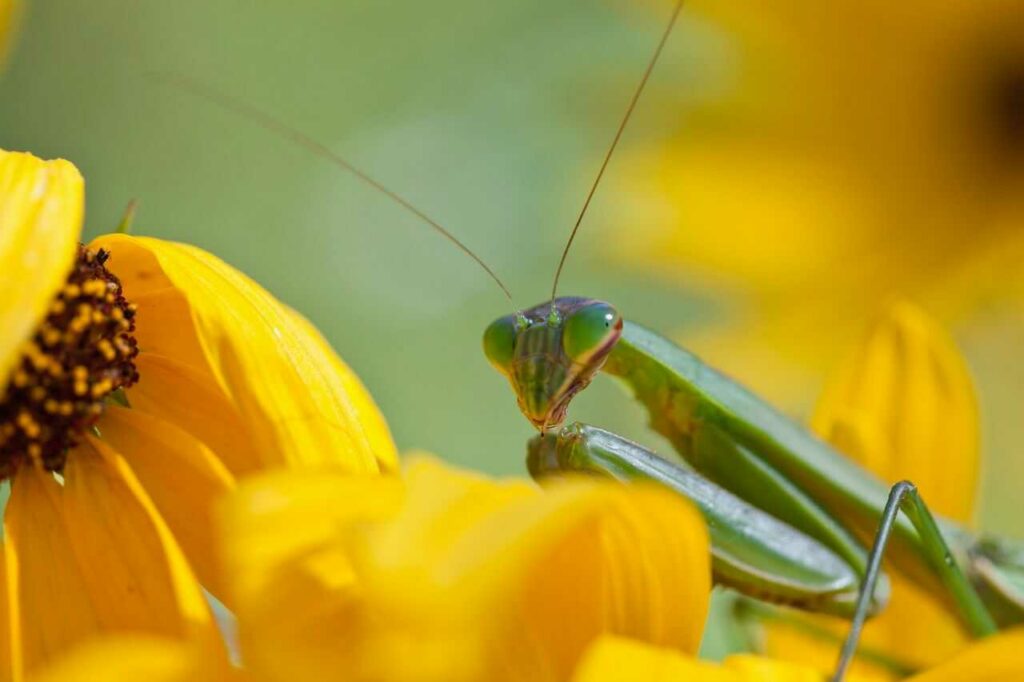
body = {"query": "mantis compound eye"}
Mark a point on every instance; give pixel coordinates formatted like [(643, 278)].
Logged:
[(500, 342), (590, 330)]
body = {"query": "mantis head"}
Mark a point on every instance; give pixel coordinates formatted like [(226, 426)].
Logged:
[(551, 352)]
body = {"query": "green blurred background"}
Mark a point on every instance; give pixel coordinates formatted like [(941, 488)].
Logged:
[(491, 117)]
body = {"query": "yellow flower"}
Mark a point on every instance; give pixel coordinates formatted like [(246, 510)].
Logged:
[(135, 658), (614, 659), (139, 379), (10, 13), (903, 407), (855, 151), (448, 576)]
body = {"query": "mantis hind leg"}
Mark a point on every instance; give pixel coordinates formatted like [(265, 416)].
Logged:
[(904, 496)]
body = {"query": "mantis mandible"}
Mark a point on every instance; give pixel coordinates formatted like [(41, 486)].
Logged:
[(791, 520)]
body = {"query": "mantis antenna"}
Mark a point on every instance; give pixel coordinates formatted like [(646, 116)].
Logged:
[(615, 142), (297, 137)]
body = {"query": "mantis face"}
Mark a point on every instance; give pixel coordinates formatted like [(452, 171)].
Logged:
[(551, 352)]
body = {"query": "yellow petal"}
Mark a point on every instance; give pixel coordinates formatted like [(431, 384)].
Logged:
[(50, 605), (903, 406), (995, 659), (616, 659), (289, 569), (791, 642), (131, 567), (135, 658), (191, 399), (5, 623), (762, 669), (297, 400), (182, 477), (40, 220), (363, 410), (465, 578)]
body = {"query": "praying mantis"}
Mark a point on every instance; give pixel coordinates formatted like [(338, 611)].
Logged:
[(791, 520)]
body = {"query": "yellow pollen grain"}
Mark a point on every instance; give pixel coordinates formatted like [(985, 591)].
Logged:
[(20, 378), (51, 406), (81, 388), (51, 336), (57, 307), (72, 290), (66, 408), (93, 287), (28, 424), (80, 373), (101, 387), (35, 451), (106, 349), (39, 360), (37, 393)]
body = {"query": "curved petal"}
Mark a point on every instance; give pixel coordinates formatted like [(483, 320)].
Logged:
[(5, 624), (191, 399), (995, 659), (288, 567), (133, 658), (299, 403), (463, 579), (903, 406), (181, 476), (40, 220), (615, 659), (130, 565), (50, 605)]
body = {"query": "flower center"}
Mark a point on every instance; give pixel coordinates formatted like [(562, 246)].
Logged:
[(1007, 103), (81, 353)]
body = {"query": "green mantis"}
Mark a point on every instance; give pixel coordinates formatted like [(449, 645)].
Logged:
[(791, 520), (789, 517)]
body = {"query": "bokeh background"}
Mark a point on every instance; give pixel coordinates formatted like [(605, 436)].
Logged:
[(792, 167)]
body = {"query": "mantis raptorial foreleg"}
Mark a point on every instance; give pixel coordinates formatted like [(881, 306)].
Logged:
[(751, 551), (904, 497), (758, 554)]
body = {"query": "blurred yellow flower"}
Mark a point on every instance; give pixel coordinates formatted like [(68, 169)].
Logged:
[(614, 659), (609, 658), (902, 406), (139, 379), (134, 659), (449, 576), (857, 150)]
